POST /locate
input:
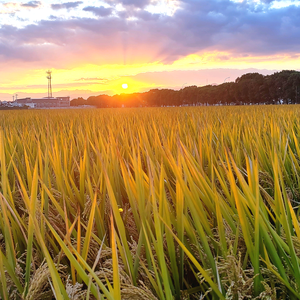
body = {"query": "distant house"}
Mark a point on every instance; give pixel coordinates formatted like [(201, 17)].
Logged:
[(58, 102)]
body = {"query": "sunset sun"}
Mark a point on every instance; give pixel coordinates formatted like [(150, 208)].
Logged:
[(124, 86)]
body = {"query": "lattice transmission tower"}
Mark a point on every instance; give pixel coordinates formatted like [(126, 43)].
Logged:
[(49, 77)]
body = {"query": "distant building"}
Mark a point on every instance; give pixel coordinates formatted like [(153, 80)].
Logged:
[(58, 102), (46, 102)]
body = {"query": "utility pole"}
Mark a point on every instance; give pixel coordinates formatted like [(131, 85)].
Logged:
[(49, 83)]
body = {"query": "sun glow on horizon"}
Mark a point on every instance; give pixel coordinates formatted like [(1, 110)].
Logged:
[(111, 79)]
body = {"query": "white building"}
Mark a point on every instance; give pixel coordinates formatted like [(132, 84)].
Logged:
[(58, 102)]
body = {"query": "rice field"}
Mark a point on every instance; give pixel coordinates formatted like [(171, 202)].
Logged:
[(152, 203)]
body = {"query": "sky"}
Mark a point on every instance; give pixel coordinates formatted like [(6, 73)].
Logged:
[(93, 47)]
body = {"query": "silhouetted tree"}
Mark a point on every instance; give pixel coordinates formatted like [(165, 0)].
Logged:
[(250, 88)]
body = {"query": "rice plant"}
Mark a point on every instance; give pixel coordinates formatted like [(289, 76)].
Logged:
[(152, 203)]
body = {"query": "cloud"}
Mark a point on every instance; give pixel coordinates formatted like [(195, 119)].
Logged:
[(132, 3), (10, 4), (237, 28), (91, 79), (31, 4), (66, 5), (177, 79), (99, 11), (11, 8), (62, 85)]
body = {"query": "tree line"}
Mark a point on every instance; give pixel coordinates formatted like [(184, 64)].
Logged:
[(251, 88)]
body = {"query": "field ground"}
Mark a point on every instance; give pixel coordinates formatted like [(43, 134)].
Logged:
[(152, 203)]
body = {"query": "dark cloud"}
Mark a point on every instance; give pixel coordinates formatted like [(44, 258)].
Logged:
[(99, 11), (237, 27), (146, 16), (66, 5), (139, 14), (31, 4), (241, 29)]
